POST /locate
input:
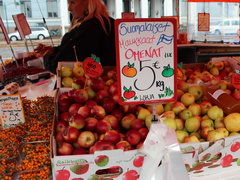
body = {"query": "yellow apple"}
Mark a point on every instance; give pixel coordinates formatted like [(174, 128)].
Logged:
[(171, 123), (192, 124), (224, 130), (214, 71), (234, 133), (179, 124), (159, 108), (195, 109), (196, 91), (205, 130), (67, 82), (215, 135), (187, 99), (148, 121), (215, 112), (65, 71), (168, 106), (181, 135), (78, 71), (232, 122), (143, 113), (219, 124), (178, 107), (207, 123), (196, 134), (191, 139), (185, 114), (169, 114)]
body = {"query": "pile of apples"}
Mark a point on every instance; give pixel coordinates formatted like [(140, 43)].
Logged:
[(70, 75), (90, 119)]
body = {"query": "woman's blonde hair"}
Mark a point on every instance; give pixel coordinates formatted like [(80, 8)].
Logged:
[(97, 9)]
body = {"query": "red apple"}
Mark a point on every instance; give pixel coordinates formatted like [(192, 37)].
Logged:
[(102, 127), (103, 145), (133, 137), (70, 134), (71, 94), (65, 116), (77, 121), (81, 96), (79, 151), (86, 139), (63, 96), (127, 120), (143, 132), (84, 111), (61, 126), (62, 174), (65, 149), (64, 102), (236, 94), (112, 120), (100, 95), (80, 81), (112, 136), (91, 123), (117, 113), (124, 145), (97, 84), (90, 103), (109, 105), (59, 137), (116, 97), (139, 145), (98, 112), (137, 124), (73, 109), (113, 88)]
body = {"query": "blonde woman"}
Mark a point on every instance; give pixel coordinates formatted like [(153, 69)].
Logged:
[(91, 32)]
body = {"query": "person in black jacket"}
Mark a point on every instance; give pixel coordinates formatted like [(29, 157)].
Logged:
[(92, 32)]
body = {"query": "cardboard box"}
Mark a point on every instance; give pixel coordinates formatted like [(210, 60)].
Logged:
[(208, 158), (86, 167)]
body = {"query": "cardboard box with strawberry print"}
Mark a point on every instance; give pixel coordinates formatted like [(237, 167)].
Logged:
[(209, 158)]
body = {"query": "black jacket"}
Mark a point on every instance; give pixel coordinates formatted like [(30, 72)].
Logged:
[(89, 38)]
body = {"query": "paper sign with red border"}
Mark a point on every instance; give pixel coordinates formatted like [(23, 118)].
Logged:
[(146, 53), (176, 17), (22, 25), (4, 31), (11, 111), (203, 21), (126, 15)]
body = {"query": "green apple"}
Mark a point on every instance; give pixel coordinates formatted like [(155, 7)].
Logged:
[(143, 113), (205, 106), (224, 130), (195, 109), (234, 133), (215, 112), (78, 71), (207, 123), (159, 108), (75, 85), (192, 124), (181, 135), (187, 99), (65, 71), (67, 82), (185, 114), (171, 123), (168, 106)]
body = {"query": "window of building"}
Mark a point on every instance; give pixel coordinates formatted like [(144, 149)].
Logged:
[(1, 9), (52, 8), (26, 8)]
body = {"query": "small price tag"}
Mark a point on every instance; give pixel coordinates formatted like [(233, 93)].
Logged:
[(203, 21), (92, 66), (11, 111), (236, 81)]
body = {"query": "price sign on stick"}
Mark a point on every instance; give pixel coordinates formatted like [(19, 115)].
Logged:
[(203, 21), (22, 25), (146, 60), (4, 31), (11, 111)]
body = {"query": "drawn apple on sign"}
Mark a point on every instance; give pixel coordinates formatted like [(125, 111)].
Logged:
[(226, 160), (130, 175), (138, 161), (167, 71), (101, 160), (80, 168), (235, 147), (129, 70), (62, 174), (128, 93), (92, 66)]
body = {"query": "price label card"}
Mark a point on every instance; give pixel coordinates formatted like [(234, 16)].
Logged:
[(146, 60), (22, 25), (4, 31), (11, 111), (203, 21)]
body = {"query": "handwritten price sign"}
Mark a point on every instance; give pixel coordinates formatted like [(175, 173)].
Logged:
[(146, 60), (11, 111)]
